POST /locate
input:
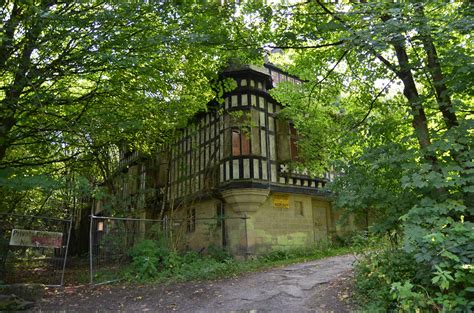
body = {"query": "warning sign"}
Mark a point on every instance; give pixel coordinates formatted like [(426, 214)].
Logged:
[(281, 201), (36, 238)]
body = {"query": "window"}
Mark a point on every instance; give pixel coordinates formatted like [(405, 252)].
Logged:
[(191, 220), (240, 142), (293, 144), (299, 210), (235, 142)]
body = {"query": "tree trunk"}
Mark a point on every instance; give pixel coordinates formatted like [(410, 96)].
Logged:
[(14, 90), (443, 97), (442, 94), (419, 122)]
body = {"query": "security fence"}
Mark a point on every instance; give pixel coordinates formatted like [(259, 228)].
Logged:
[(112, 238), (33, 249)]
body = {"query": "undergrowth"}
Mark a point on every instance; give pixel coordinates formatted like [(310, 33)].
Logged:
[(152, 262), (432, 274)]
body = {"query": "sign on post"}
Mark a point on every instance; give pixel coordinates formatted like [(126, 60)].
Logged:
[(36, 238)]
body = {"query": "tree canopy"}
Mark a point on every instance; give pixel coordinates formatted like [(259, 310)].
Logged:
[(386, 101), (79, 78)]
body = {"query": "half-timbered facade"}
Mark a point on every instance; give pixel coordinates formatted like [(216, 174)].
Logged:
[(234, 161), (240, 144)]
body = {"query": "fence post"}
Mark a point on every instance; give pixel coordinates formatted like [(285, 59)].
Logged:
[(66, 252), (91, 249)]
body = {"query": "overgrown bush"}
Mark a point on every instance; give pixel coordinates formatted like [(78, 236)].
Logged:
[(438, 236), (217, 253), (321, 249), (293, 253), (147, 258), (153, 261), (432, 272), (377, 271), (361, 240), (277, 255), (153, 248)]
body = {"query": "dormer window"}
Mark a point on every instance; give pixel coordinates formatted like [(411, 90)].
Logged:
[(240, 141)]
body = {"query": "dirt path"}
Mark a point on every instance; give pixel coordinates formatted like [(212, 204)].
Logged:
[(318, 286)]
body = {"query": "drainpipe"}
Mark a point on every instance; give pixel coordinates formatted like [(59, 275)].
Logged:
[(246, 238), (222, 217)]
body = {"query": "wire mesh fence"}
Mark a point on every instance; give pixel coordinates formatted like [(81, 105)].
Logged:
[(112, 238), (33, 249)]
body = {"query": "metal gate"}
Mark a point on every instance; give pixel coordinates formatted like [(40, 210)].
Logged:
[(33, 249)]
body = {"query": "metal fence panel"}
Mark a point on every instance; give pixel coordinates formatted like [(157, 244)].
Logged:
[(33, 249), (112, 238)]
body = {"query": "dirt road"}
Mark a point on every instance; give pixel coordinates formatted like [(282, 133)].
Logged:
[(318, 286)]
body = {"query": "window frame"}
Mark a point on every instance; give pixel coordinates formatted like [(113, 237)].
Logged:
[(240, 141), (294, 151)]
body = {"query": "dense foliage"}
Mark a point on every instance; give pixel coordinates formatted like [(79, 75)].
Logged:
[(378, 271), (80, 79), (386, 102), (155, 261)]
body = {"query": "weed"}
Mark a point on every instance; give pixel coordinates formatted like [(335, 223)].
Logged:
[(153, 262)]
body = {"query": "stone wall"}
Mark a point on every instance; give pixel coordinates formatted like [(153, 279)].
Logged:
[(204, 230), (258, 228), (272, 227)]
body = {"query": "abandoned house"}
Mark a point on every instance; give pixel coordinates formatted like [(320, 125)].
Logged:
[(232, 168)]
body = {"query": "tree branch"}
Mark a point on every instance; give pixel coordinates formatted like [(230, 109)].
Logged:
[(337, 43), (386, 62), (371, 105), (327, 74)]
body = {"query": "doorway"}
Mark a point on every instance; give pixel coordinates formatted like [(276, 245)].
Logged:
[(320, 220)]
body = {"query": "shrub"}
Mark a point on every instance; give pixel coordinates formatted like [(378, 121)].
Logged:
[(276, 255), (191, 256), (440, 238), (153, 261), (173, 261), (147, 257), (434, 270), (217, 253), (377, 271), (152, 248)]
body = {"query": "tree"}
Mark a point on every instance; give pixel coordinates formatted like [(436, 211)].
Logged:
[(66, 64), (351, 55), (406, 152), (80, 79)]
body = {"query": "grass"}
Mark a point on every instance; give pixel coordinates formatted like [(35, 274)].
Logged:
[(195, 267), (151, 265)]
